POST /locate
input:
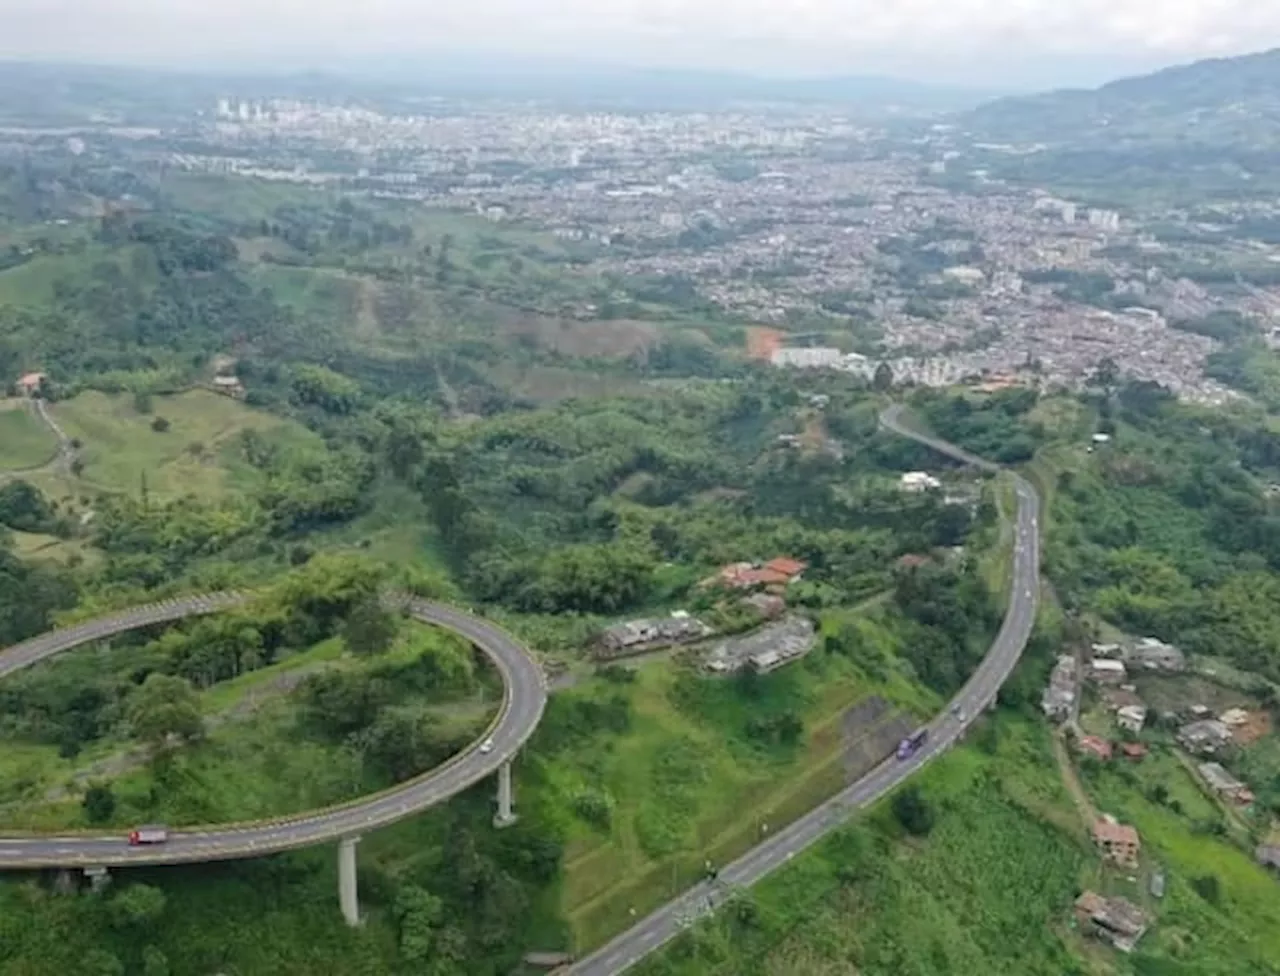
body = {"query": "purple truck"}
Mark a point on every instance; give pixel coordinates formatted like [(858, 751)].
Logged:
[(909, 746)]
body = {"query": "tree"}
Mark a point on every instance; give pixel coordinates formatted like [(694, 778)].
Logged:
[(160, 425), (163, 708), (137, 906), (99, 803), (913, 811), (25, 508), (154, 962), (370, 628), (882, 381), (99, 962), (1106, 375), (418, 913)]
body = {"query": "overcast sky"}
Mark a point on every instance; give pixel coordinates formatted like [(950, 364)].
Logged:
[(979, 41)]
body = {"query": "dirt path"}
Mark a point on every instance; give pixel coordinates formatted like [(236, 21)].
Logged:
[(60, 463), (1072, 781)]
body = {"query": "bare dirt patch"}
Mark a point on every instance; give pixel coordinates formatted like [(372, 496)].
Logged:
[(871, 730), (762, 342), (597, 339), (1255, 730)]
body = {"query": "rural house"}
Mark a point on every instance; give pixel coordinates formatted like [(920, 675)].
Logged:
[(1226, 785), (767, 649), (1106, 671), (1114, 920), (1150, 654), (636, 636), (1092, 745), (1132, 718), (1206, 737), (777, 573), (31, 384), (1059, 698), (918, 482), (1118, 842)]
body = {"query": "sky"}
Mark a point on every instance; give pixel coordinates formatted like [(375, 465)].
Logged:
[(1014, 43)]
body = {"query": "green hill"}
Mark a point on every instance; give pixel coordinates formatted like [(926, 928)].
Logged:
[(1214, 103)]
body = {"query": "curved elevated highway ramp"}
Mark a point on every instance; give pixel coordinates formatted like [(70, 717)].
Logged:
[(524, 698)]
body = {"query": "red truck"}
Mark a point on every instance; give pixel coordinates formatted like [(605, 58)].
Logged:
[(148, 835)]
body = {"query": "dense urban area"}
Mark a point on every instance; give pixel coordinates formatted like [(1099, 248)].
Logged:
[(758, 426)]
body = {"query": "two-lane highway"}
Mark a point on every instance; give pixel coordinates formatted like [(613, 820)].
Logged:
[(525, 696), (980, 691)]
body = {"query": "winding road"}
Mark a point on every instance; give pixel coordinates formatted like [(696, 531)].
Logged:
[(524, 697), (664, 924)]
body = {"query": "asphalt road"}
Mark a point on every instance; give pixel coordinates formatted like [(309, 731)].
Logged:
[(665, 923), (524, 698)]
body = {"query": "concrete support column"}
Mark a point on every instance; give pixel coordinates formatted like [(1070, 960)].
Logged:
[(99, 878), (348, 895), (505, 817)]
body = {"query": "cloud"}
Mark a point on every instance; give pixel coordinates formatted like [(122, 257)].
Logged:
[(774, 34)]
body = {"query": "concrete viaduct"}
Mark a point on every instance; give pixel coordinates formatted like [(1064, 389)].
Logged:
[(524, 698)]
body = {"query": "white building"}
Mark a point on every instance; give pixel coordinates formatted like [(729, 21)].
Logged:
[(1107, 671), (918, 482), (1132, 718), (1107, 220), (812, 358)]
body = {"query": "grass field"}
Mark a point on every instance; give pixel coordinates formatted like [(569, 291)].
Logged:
[(31, 285), (51, 549), (990, 889), (190, 458), (25, 442), (684, 785), (253, 763)]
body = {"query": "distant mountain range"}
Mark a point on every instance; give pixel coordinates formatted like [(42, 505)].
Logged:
[(586, 84), (1221, 101)]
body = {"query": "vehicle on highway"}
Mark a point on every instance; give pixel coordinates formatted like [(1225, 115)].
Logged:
[(909, 746), (486, 746), (958, 711), (148, 835)]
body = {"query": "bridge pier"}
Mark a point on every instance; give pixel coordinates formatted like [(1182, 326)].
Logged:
[(348, 894), (99, 878), (505, 816)]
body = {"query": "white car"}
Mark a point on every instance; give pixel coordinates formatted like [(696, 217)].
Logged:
[(486, 746)]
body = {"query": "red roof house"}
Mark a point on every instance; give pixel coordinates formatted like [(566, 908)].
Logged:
[(1095, 746), (788, 567)]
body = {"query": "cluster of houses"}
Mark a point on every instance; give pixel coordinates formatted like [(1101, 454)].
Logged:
[(1110, 666), (638, 636), (1112, 663), (774, 576), (761, 587)]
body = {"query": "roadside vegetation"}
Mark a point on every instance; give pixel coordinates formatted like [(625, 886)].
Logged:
[(406, 402)]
